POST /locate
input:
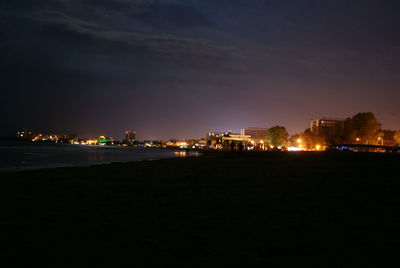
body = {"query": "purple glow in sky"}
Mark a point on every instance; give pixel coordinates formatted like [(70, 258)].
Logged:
[(181, 68)]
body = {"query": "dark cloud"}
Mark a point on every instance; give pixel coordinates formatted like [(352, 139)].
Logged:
[(173, 15), (72, 28), (115, 5), (180, 68)]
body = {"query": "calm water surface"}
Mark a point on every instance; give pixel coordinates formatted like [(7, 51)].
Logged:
[(16, 156)]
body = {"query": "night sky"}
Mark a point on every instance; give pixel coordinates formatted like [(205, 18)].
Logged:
[(181, 68)]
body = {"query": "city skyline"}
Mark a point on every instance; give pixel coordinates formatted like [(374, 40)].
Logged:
[(329, 121), (362, 131), (179, 69)]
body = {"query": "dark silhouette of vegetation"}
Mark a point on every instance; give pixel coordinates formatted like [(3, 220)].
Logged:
[(277, 136), (396, 137), (362, 128)]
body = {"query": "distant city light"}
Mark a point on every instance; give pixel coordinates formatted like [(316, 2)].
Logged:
[(294, 149)]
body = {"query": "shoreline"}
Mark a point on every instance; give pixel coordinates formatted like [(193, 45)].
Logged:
[(189, 210), (196, 153), (43, 157), (92, 165)]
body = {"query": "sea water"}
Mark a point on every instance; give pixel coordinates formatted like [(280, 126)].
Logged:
[(18, 155)]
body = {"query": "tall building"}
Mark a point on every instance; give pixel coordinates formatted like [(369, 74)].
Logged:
[(256, 134), (326, 122), (130, 136)]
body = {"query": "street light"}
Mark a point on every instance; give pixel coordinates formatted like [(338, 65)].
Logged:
[(299, 141), (262, 145), (381, 140)]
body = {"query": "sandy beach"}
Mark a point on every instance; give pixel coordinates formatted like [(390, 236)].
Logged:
[(186, 211)]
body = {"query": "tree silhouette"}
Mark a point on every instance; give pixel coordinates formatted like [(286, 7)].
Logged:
[(277, 136), (363, 128)]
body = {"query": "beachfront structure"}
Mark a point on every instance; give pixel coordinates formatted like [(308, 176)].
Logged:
[(227, 141), (102, 140), (216, 135), (258, 135), (177, 144), (25, 134), (235, 142), (214, 139), (202, 143), (326, 122)]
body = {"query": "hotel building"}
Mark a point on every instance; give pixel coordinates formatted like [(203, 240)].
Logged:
[(256, 134), (326, 122)]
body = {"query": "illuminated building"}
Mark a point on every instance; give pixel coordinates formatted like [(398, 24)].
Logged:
[(214, 139), (177, 144), (25, 134), (152, 143), (38, 137), (102, 140), (130, 136), (201, 143), (328, 122), (216, 135), (256, 134), (227, 141), (90, 142), (236, 142)]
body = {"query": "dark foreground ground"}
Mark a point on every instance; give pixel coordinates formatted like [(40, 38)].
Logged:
[(188, 211)]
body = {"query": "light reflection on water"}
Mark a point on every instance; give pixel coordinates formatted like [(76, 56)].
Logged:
[(22, 156), (96, 156), (186, 153)]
